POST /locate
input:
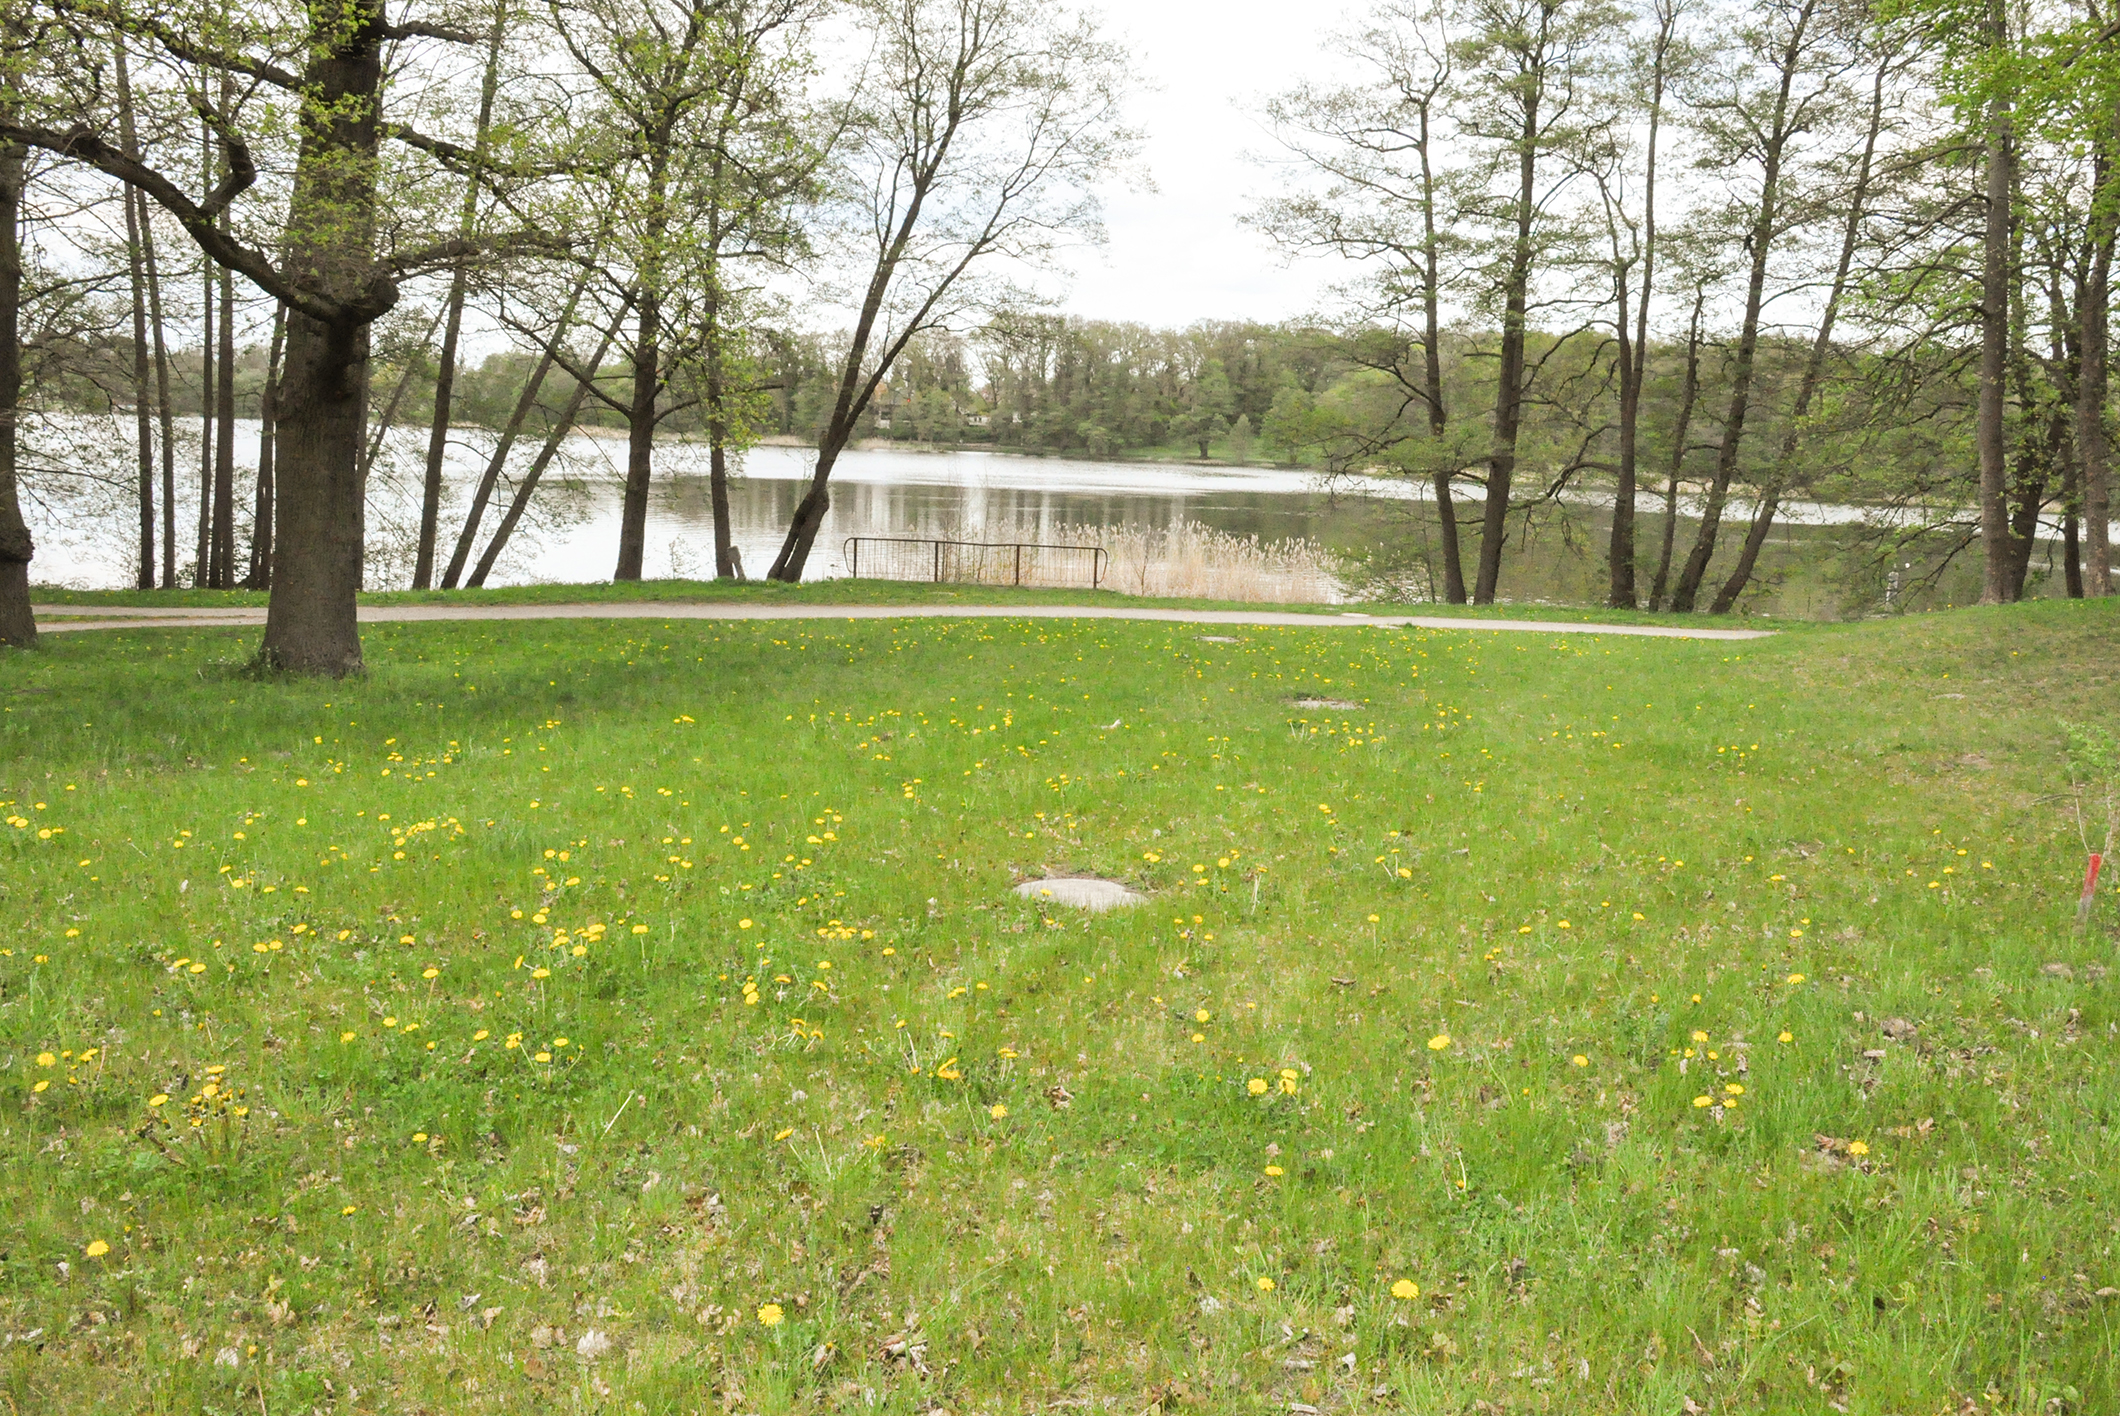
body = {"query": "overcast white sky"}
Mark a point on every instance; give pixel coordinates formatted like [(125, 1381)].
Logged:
[(1178, 254)]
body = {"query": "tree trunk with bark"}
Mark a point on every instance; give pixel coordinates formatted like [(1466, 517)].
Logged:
[(1634, 351), (18, 626), (640, 437), (717, 393), (490, 478), (1814, 368), (260, 577), (1432, 369), (445, 372), (143, 397), (202, 570), (224, 455), (2093, 312), (163, 411), (1509, 377), (310, 624), (136, 238), (1991, 430), (1760, 241), (1688, 395), (560, 428)]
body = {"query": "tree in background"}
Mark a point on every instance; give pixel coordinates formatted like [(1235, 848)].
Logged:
[(979, 133)]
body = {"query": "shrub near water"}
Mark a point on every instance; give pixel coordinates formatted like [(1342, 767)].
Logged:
[(578, 1015)]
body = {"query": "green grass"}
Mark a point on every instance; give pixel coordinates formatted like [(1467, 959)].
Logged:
[(867, 592), (998, 1156)]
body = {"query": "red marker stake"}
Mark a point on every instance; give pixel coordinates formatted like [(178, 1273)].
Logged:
[(2090, 888)]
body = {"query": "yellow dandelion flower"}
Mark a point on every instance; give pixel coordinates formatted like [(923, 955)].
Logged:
[(1439, 1042), (1265, 1285), (96, 1249), (1704, 1101), (997, 1111), (771, 1315), (1256, 1086), (1578, 1060), (1274, 1170), (1199, 1016), (1785, 1036), (783, 1133), (1405, 1288), (158, 1099), (1858, 1148)]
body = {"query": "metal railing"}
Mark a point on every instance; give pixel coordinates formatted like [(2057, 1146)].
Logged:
[(975, 562)]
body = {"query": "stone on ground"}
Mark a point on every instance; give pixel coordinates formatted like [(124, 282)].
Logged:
[(1083, 892)]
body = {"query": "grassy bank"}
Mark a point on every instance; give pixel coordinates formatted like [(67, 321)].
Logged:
[(873, 592), (575, 1015)]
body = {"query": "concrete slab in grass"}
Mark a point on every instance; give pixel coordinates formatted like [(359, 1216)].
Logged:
[(1082, 892)]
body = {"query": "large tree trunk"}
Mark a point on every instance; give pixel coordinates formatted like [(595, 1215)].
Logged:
[(640, 439), (1688, 395), (1509, 378), (319, 513), (260, 577), (311, 625), (2093, 447), (1990, 435), (17, 625), (490, 478)]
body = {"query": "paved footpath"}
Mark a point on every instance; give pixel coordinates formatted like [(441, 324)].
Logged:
[(55, 618)]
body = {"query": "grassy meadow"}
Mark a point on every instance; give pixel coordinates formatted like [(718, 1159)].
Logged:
[(637, 1017)]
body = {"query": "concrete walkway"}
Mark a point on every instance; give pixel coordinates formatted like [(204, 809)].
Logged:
[(57, 618)]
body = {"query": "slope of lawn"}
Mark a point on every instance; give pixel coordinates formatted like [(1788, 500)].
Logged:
[(844, 591), (635, 1017)]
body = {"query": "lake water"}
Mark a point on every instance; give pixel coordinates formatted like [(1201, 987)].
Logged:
[(83, 524)]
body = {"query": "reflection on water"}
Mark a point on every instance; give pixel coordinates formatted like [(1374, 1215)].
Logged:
[(83, 520), (572, 535)]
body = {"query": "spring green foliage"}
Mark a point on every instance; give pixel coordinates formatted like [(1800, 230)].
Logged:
[(638, 1017)]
